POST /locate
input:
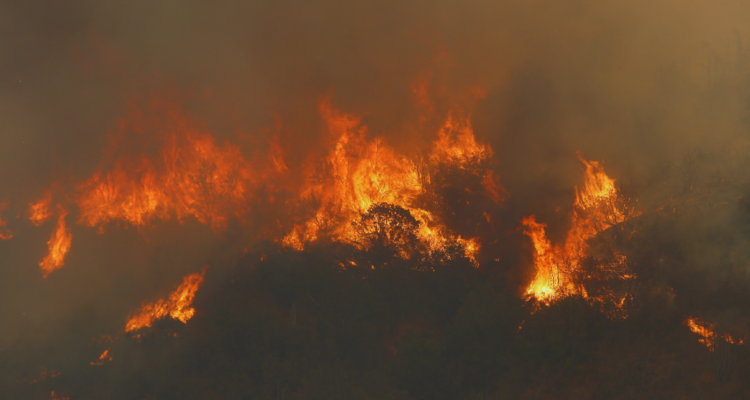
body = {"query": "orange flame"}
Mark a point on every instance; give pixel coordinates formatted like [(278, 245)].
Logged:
[(359, 172), (598, 206), (40, 212), (190, 176), (707, 332), (59, 245), (178, 305), (102, 358), (546, 281)]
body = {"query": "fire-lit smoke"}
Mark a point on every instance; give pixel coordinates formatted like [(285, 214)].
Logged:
[(58, 245), (4, 231), (40, 211), (159, 165), (177, 306), (598, 206), (188, 176)]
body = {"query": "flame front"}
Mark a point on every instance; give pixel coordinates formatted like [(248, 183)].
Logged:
[(58, 244), (359, 172), (598, 206), (707, 331), (178, 305), (189, 176)]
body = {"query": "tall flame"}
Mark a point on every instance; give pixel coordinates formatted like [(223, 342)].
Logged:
[(359, 172), (598, 205), (58, 244), (189, 176), (546, 281), (178, 305)]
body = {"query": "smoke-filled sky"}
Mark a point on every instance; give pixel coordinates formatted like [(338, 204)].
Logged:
[(634, 83)]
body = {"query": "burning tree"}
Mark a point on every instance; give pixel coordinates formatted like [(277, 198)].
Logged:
[(387, 228)]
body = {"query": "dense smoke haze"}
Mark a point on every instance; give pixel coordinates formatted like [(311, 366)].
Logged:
[(657, 91)]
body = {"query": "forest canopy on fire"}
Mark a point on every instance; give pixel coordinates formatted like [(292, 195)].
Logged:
[(375, 200)]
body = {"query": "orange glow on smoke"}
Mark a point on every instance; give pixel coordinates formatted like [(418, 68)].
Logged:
[(4, 231), (359, 172), (58, 244), (178, 305), (188, 175), (598, 205), (40, 211), (54, 396), (707, 332)]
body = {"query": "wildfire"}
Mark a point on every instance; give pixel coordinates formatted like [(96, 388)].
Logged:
[(40, 212), (359, 172), (707, 332), (598, 206), (102, 358), (189, 176), (59, 245), (178, 305)]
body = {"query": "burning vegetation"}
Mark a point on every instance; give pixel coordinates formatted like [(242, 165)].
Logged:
[(378, 217), (363, 187), (407, 238), (59, 245), (599, 205), (177, 306)]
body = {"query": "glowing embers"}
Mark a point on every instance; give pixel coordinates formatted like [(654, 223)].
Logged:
[(358, 173), (5, 233), (707, 331), (54, 396), (178, 305), (102, 358), (598, 206), (58, 246)]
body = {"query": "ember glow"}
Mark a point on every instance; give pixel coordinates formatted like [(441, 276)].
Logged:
[(54, 396), (598, 206), (4, 231), (102, 358), (178, 305), (58, 246), (707, 331)]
